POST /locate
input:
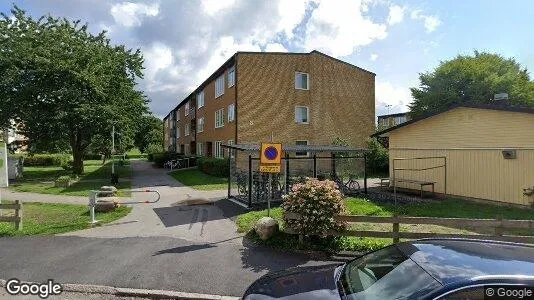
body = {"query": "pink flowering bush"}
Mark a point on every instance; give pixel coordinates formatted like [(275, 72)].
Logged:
[(317, 202)]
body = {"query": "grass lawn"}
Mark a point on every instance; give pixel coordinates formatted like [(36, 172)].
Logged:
[(450, 208), (200, 181), (41, 179), (52, 218)]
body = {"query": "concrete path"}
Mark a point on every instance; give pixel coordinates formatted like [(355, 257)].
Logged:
[(164, 263), (211, 222)]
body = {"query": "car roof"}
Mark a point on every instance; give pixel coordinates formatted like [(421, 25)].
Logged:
[(454, 260)]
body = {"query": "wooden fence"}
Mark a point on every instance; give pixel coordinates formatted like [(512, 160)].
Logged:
[(498, 226), (16, 218)]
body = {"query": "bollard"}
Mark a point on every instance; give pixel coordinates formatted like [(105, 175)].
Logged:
[(92, 203)]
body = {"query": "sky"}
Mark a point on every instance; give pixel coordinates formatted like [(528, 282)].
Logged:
[(183, 41)]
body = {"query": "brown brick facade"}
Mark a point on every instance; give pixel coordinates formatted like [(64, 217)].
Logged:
[(340, 101)]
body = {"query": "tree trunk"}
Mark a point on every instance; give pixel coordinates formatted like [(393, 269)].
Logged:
[(77, 155)]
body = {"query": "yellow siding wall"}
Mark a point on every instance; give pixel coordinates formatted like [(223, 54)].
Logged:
[(472, 141), (467, 127)]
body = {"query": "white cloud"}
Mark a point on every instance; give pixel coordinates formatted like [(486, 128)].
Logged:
[(291, 14), (340, 27), (373, 57), (211, 7), (130, 14), (157, 57), (389, 94), (431, 22), (396, 14), (275, 47)]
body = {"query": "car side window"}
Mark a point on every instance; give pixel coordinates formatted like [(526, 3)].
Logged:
[(469, 293)]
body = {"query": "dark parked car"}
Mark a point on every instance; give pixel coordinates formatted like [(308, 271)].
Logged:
[(423, 269)]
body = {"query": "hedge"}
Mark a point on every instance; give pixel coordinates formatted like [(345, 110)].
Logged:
[(214, 166), (46, 160)]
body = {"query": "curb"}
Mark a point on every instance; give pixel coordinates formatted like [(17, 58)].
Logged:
[(130, 292)]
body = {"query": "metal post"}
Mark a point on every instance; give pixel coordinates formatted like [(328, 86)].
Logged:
[(229, 176), (113, 150), (314, 165), (270, 195), (394, 182), (92, 203), (334, 165), (249, 180), (287, 173), (365, 172), (445, 188)]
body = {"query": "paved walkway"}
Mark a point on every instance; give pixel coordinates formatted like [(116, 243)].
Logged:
[(210, 222)]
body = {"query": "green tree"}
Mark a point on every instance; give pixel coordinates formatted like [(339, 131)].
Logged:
[(66, 85), (472, 78), (149, 131)]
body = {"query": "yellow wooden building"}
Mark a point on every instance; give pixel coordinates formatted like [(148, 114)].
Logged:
[(473, 150)]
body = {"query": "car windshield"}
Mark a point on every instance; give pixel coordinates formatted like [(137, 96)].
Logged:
[(386, 274)]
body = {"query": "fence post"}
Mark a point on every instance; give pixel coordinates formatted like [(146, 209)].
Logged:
[(18, 215), (287, 173), (250, 180), (365, 172), (498, 229), (395, 229), (314, 165), (334, 173)]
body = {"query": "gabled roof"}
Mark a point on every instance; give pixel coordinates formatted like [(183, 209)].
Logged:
[(231, 61), (527, 110), (393, 115)]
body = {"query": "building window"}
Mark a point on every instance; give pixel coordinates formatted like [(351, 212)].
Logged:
[(186, 149), (219, 86), (218, 149), (302, 81), (302, 114), (186, 129), (177, 132), (200, 150), (200, 99), (301, 153), (219, 118), (178, 115), (231, 77), (200, 125), (230, 151), (186, 112), (231, 112)]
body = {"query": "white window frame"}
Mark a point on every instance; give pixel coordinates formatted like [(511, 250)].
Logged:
[(230, 151), (307, 114), (200, 124), (231, 112), (219, 86), (187, 129), (187, 151), (300, 155), (177, 132), (231, 76), (218, 151), (177, 115), (186, 112), (200, 149), (307, 81), (219, 123), (200, 99)]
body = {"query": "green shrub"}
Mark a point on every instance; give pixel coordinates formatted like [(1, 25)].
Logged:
[(67, 165), (159, 159), (154, 148), (132, 156), (317, 202), (378, 158), (92, 156), (46, 160), (64, 178), (214, 166), (150, 156)]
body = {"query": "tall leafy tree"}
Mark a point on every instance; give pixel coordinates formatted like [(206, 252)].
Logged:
[(472, 78), (65, 85), (149, 131)]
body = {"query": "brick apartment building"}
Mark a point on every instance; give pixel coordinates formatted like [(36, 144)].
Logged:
[(300, 98)]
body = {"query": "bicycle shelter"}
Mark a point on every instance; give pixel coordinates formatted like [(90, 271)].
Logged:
[(347, 166)]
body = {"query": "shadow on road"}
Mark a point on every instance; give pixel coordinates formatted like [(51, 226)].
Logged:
[(190, 248), (190, 214)]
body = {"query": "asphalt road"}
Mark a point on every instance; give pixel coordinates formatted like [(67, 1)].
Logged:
[(165, 263)]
